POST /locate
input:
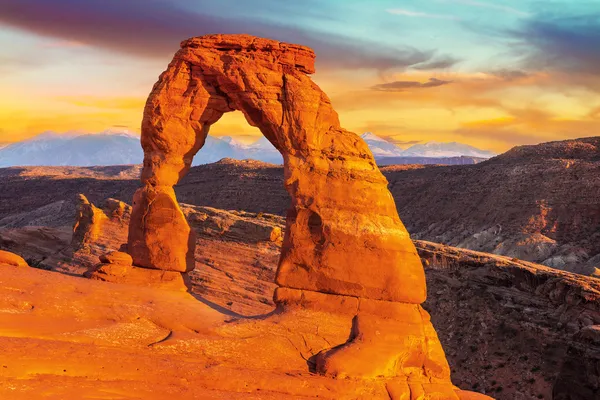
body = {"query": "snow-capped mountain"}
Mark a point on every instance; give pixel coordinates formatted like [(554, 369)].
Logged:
[(263, 150), (381, 147), (227, 147), (74, 148), (215, 149), (118, 147), (450, 149)]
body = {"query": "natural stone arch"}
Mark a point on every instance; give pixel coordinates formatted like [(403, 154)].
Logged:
[(345, 251), (343, 233)]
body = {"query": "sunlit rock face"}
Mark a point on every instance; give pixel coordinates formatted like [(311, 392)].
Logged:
[(343, 232), (345, 249), (8, 258)]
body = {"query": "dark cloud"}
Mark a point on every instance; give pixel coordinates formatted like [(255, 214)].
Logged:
[(399, 86), (565, 43), (154, 28)]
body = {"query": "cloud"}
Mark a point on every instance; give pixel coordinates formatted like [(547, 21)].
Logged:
[(63, 44), (121, 103), (492, 6), (489, 123), (154, 28), (417, 14), (529, 126), (441, 62), (508, 136), (568, 44), (509, 74), (399, 86)]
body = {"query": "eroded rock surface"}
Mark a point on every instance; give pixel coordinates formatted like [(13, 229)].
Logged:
[(511, 328)]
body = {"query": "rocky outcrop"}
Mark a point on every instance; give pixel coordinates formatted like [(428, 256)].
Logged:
[(343, 236), (234, 225), (579, 377), (512, 328), (117, 267), (88, 223), (537, 203), (8, 258)]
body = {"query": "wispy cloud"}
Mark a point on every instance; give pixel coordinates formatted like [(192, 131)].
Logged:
[(155, 28), (121, 103), (398, 86), (509, 74), (418, 14), (440, 62), (493, 6)]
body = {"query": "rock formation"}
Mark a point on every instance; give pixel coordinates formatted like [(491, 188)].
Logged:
[(88, 223), (344, 248), (118, 267), (9, 258)]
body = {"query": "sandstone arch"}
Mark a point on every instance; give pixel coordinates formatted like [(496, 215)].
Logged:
[(345, 249), (343, 232)]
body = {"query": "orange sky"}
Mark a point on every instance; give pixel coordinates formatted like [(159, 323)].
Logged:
[(435, 81)]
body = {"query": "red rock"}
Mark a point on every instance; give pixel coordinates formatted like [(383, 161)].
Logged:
[(343, 237), (88, 223), (159, 236), (13, 259), (131, 275), (117, 257), (339, 197)]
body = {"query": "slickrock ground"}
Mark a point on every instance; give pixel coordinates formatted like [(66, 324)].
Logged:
[(64, 337), (511, 329), (68, 337)]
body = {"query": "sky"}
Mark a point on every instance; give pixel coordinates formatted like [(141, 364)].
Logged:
[(493, 74)]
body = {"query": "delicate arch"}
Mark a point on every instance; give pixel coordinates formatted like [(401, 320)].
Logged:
[(343, 234)]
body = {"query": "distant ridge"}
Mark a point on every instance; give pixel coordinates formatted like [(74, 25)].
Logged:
[(462, 160), (121, 147), (451, 153)]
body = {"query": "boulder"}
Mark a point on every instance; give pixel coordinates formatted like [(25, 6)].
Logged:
[(13, 259), (117, 257), (131, 275)]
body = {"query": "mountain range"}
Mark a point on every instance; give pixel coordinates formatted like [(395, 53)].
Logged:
[(117, 147)]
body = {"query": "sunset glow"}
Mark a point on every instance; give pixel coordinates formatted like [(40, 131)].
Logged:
[(490, 74)]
